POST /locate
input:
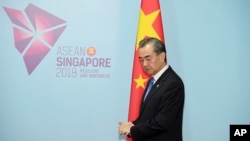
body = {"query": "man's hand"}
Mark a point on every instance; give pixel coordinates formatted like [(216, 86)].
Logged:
[(124, 128)]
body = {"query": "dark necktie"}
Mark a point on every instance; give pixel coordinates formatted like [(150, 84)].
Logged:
[(151, 83)]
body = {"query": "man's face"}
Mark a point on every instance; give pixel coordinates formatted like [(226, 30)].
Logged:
[(150, 61)]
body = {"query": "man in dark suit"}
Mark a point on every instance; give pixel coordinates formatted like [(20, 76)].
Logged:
[(161, 111)]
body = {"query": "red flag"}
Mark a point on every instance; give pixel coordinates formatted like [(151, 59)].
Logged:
[(150, 25)]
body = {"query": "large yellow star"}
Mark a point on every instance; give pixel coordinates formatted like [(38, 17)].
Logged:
[(140, 82), (145, 26)]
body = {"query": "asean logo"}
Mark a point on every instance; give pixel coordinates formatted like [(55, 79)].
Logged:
[(91, 51), (35, 33)]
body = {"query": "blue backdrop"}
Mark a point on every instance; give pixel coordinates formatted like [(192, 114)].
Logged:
[(207, 45)]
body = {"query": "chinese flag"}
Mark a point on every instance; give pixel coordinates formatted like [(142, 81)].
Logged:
[(150, 25)]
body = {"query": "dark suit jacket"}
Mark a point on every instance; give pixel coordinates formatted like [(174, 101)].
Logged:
[(160, 117)]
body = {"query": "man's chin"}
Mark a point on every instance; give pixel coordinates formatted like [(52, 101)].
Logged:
[(149, 72)]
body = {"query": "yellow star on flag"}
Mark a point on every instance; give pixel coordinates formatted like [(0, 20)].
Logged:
[(140, 82), (145, 27)]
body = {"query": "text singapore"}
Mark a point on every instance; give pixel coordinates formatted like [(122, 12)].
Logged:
[(83, 62)]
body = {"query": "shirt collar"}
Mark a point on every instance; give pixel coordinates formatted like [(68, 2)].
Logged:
[(158, 75)]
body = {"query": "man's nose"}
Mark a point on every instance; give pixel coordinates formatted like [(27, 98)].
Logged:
[(145, 63)]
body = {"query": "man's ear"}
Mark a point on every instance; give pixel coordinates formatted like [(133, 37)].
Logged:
[(163, 56)]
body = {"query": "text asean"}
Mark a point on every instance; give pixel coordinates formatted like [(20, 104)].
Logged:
[(71, 51)]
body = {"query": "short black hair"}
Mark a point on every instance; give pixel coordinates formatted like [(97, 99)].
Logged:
[(158, 45)]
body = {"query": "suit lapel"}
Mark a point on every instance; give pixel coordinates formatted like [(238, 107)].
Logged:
[(155, 88)]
